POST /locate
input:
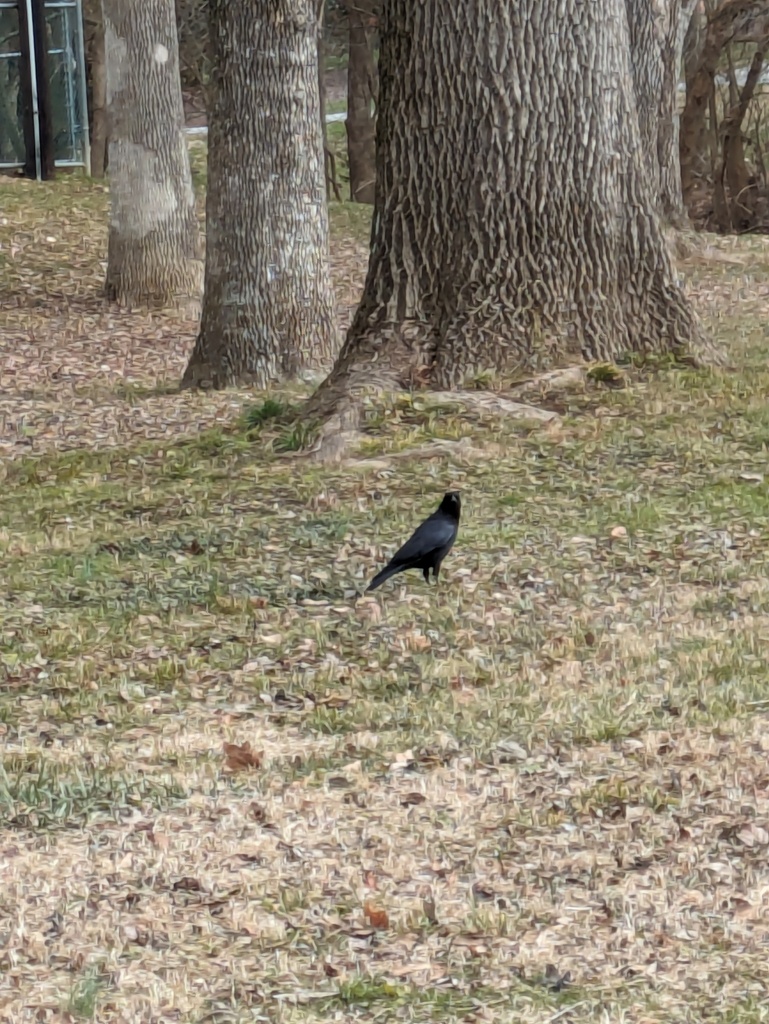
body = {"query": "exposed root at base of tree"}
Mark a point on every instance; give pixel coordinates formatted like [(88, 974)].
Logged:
[(185, 307), (340, 431), (553, 380), (340, 412), (488, 401), (694, 247), (461, 449)]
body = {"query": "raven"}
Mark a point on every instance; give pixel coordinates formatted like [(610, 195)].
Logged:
[(428, 545)]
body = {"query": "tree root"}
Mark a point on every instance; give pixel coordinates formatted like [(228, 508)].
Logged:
[(341, 430), (688, 246), (463, 448), (490, 402), (338, 433), (340, 411), (554, 380)]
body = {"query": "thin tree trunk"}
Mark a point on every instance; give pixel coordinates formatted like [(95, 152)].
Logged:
[(321, 58), (510, 232), (733, 166), (98, 102), (672, 204), (720, 205), (361, 94), (267, 306), (329, 163), (694, 39), (694, 131), (154, 244), (656, 44)]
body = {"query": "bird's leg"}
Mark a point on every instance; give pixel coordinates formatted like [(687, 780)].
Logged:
[(426, 574)]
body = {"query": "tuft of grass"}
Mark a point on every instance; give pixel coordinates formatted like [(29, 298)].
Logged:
[(608, 374), (84, 998), (270, 409), (296, 436), (38, 793)]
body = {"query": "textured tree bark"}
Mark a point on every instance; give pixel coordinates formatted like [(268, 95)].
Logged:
[(694, 39), (657, 29), (154, 244), (513, 228), (321, 59), (361, 93), (696, 135), (267, 305)]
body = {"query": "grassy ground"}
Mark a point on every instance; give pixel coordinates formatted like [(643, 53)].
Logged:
[(233, 791)]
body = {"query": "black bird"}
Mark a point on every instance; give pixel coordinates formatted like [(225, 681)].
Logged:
[(428, 545)]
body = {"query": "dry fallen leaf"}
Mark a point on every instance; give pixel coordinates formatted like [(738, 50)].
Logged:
[(412, 799), (376, 916), (257, 812), (239, 757)]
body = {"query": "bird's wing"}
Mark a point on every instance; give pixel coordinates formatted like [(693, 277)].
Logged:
[(431, 535)]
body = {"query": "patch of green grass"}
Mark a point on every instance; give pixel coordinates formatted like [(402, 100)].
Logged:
[(296, 436), (37, 793), (336, 107), (198, 150), (369, 997), (84, 998), (336, 61), (748, 1010), (269, 409), (350, 220)]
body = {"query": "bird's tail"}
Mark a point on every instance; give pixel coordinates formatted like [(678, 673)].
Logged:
[(385, 574)]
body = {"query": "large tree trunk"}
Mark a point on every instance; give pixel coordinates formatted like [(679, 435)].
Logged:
[(513, 227), (267, 305), (696, 135), (154, 245), (657, 30), (361, 94)]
